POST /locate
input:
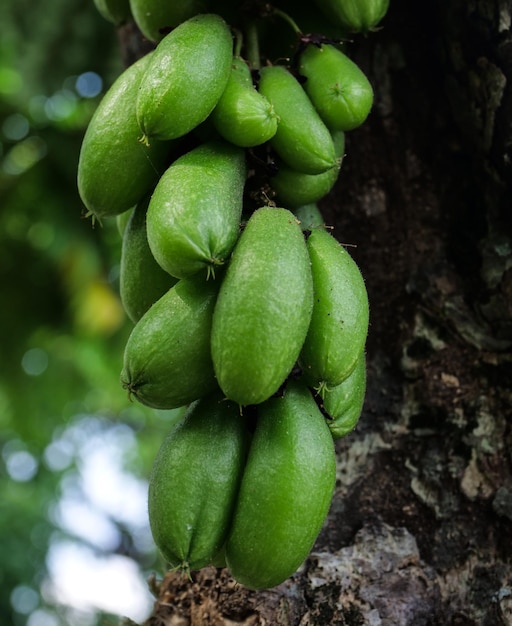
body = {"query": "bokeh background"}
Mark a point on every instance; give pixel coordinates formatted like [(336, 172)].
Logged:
[(75, 453)]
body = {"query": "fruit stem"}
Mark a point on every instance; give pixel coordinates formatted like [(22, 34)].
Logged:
[(253, 46), (239, 41), (288, 19)]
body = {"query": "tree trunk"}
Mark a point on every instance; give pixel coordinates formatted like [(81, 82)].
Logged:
[(420, 528)]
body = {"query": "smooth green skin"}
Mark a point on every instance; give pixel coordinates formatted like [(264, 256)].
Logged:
[(285, 493), (115, 11), (356, 16), (167, 362), (206, 131), (309, 216), (244, 116), (302, 140), (339, 323), (154, 17), (194, 483), (115, 171), (294, 188), (241, 72), (193, 218), (263, 309), (188, 72), (141, 280), (344, 403), (338, 89)]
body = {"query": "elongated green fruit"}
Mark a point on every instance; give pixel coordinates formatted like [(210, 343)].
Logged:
[(185, 79), (244, 116), (344, 402), (115, 11), (156, 18), (302, 140), (356, 16), (285, 493), (194, 483), (241, 72), (309, 216), (263, 309), (115, 171), (141, 280), (339, 90), (122, 221), (194, 214), (339, 323), (295, 188), (167, 362)]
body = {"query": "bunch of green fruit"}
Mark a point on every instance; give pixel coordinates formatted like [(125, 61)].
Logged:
[(213, 151)]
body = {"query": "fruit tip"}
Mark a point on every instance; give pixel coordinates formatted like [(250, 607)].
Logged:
[(144, 140)]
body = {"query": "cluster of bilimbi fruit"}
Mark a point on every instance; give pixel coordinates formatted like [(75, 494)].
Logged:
[(213, 151)]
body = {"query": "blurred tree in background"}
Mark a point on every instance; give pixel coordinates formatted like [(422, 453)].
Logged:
[(64, 418)]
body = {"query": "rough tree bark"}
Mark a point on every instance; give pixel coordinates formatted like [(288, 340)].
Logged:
[(420, 529)]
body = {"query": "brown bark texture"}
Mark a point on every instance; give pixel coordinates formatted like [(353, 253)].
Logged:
[(420, 528)]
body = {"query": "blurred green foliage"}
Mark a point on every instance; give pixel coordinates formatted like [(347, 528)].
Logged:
[(62, 328)]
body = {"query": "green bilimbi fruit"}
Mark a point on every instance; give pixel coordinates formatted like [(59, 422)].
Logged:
[(122, 221), (339, 323), (167, 362), (115, 11), (295, 188), (356, 16), (344, 402), (302, 140), (194, 483), (188, 72), (286, 490), (244, 116), (155, 18), (309, 216), (141, 280), (193, 218), (115, 171), (338, 89), (263, 309)]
